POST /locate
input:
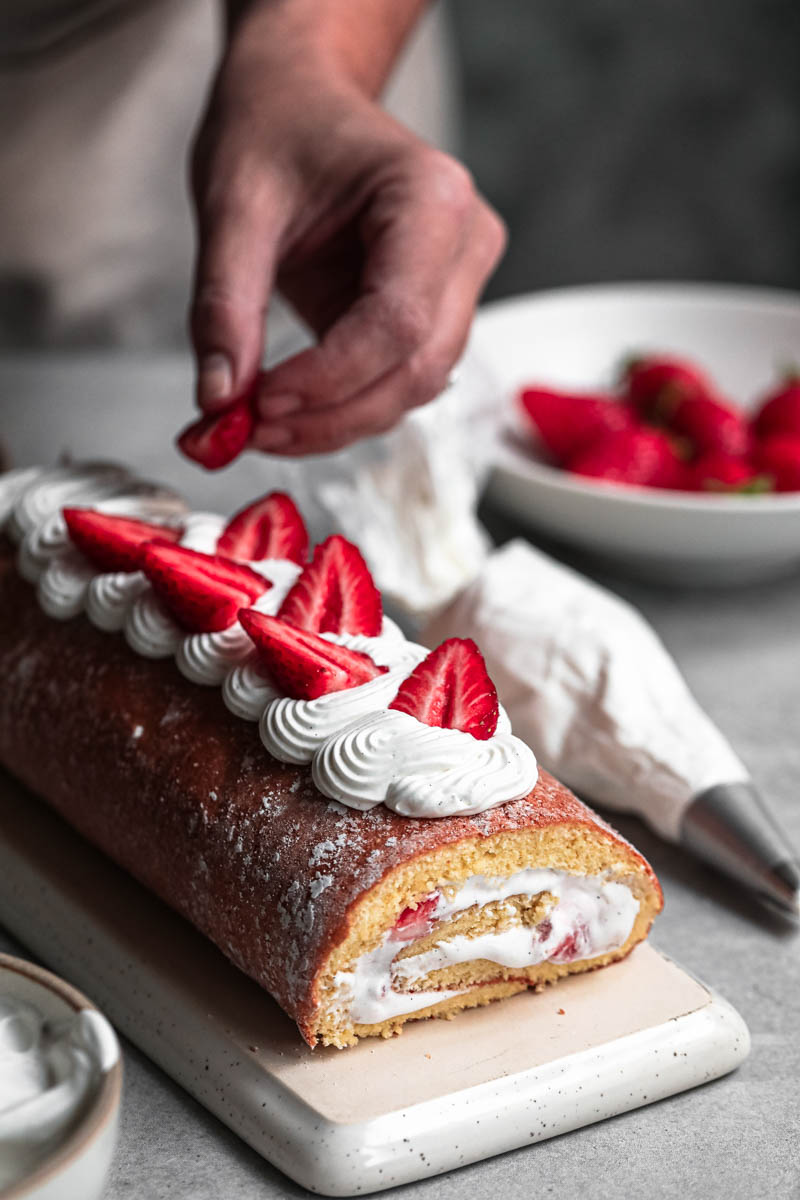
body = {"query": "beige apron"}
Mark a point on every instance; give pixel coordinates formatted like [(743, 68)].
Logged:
[(98, 101)]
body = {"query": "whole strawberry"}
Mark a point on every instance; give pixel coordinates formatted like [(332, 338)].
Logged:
[(654, 383), (645, 457), (780, 410), (779, 458), (677, 395), (719, 472), (568, 421), (711, 426)]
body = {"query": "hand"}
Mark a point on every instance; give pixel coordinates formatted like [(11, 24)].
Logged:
[(380, 242)]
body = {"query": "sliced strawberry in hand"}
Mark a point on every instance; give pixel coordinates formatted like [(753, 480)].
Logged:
[(335, 593), (113, 543), (302, 664), (451, 688), (217, 439), (269, 528), (567, 421), (203, 592)]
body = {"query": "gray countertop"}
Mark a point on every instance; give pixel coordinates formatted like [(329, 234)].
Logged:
[(740, 651)]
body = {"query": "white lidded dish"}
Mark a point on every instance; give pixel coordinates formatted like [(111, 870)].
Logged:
[(74, 1164)]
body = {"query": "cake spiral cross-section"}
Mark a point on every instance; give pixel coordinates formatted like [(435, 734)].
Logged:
[(348, 816)]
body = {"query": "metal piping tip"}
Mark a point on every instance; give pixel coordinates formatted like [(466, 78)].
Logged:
[(781, 889), (730, 827)]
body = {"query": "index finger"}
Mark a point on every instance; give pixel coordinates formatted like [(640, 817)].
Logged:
[(413, 233)]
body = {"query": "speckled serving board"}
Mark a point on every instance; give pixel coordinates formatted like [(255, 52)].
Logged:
[(380, 1114)]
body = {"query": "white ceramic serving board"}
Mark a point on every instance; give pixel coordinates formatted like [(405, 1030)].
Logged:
[(381, 1113)]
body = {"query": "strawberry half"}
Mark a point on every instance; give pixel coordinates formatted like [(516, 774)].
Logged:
[(217, 439), (451, 689), (269, 528), (203, 592), (302, 664), (113, 543), (568, 421), (335, 593)]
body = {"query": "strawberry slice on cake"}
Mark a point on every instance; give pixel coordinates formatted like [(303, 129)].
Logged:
[(268, 528), (451, 689), (335, 593), (303, 664), (202, 592), (113, 543)]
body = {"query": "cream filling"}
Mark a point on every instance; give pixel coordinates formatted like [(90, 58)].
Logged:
[(591, 916)]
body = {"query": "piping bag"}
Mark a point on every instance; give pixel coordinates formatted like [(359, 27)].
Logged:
[(584, 677)]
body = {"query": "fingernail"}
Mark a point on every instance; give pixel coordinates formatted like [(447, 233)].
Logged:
[(214, 381), (273, 437), (278, 405)]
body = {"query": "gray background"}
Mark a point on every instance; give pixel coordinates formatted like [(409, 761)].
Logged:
[(626, 140)]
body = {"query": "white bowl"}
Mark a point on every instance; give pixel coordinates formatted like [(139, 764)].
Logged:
[(576, 338), (77, 1168)]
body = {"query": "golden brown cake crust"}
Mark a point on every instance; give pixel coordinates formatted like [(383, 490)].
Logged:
[(155, 771)]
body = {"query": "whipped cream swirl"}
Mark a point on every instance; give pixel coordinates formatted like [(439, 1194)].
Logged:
[(149, 629), (112, 596), (418, 770), (51, 490), (295, 730), (361, 753), (64, 585), (246, 691), (12, 485)]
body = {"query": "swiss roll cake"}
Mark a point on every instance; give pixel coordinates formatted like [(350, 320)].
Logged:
[(230, 716)]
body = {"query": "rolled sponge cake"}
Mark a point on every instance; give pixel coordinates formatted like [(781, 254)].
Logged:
[(356, 922)]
